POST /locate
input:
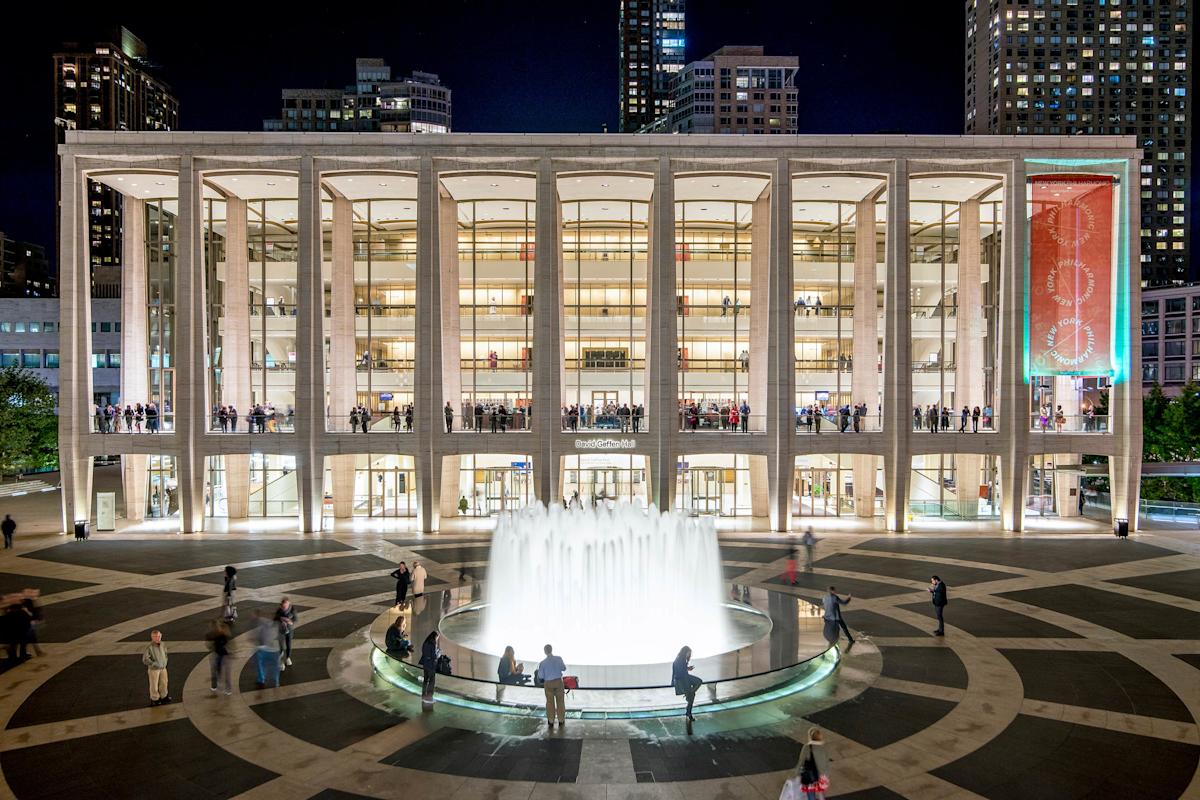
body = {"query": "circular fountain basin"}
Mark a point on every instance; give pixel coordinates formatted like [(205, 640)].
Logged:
[(773, 645)]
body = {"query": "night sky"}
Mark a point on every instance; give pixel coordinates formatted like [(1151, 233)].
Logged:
[(513, 66)]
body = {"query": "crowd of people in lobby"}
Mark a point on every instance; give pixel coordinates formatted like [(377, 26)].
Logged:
[(724, 415), (608, 416), (937, 419), (134, 418), (813, 417), (262, 418)]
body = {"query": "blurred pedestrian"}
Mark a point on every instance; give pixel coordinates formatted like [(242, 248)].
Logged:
[(229, 603), (266, 649), (218, 641), (285, 618), (813, 766), (8, 527)]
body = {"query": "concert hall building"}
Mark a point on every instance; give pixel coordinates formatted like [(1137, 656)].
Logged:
[(337, 326)]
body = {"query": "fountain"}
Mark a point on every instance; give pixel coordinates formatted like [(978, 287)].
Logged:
[(604, 586)]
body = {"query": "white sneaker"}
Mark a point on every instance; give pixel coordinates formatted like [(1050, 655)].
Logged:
[(282, 667), (213, 689), (289, 662)]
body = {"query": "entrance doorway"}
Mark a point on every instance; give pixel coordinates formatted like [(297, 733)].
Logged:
[(708, 491), (818, 492), (393, 493)]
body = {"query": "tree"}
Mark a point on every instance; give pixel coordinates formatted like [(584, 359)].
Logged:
[(28, 424)]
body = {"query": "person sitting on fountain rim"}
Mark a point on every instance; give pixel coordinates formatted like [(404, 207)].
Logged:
[(509, 670), (685, 684)]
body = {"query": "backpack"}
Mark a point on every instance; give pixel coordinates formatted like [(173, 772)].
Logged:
[(808, 773), (443, 665)]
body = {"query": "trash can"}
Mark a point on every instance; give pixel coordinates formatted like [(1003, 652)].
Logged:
[(1121, 528), (82, 530)]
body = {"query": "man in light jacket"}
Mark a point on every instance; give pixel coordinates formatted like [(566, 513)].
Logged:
[(155, 659), (418, 579)]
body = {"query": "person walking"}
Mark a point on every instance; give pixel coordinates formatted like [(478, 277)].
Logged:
[(684, 683), (790, 573), (812, 769), (218, 641), (402, 577), (810, 545), (266, 649), (832, 605), (229, 611), (8, 528), (550, 670), (285, 618), (154, 658), (937, 593), (418, 579), (429, 658)]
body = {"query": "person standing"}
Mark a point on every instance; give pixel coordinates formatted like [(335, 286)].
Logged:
[(966, 413), (364, 418), (155, 660), (744, 411), (228, 593), (285, 618), (551, 670), (449, 412), (937, 593), (8, 528), (685, 684), (402, 577), (813, 767), (790, 573), (418, 579), (218, 640), (429, 658), (832, 605), (266, 649), (975, 419)]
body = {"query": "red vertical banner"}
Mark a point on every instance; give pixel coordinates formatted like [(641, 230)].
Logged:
[(1071, 275)]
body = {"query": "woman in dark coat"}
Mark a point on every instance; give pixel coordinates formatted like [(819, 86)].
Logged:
[(428, 662), (685, 683), (402, 576)]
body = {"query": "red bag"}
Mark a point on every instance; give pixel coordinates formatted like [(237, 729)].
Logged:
[(570, 682)]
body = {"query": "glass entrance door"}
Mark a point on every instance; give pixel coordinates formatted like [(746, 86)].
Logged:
[(817, 490), (708, 491), (393, 493)]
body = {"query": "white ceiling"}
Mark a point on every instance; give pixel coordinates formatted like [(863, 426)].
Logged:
[(146, 185), (604, 187), (368, 186), (719, 186), (490, 186), (845, 188), (951, 188), (255, 185)]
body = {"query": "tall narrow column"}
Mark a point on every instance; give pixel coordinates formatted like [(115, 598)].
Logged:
[(897, 358), (781, 373), (447, 346), (135, 383), (1013, 401), (427, 387), (189, 398), (761, 282), (235, 350), (343, 375), (864, 375), (662, 407), (1125, 403), (547, 336), (75, 344), (970, 332), (310, 341)]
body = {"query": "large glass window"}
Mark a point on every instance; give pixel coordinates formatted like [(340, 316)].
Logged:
[(960, 486), (605, 479), (492, 483), (721, 485), (160, 297)]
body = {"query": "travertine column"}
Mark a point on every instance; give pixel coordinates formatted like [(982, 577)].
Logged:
[(191, 374), (427, 386), (663, 389), (449, 329), (759, 494), (970, 331), (310, 347), (760, 308), (1125, 399), (135, 382), (343, 375), (1012, 402), (547, 338), (1066, 503), (897, 348), (235, 351), (864, 375), (781, 372), (75, 346)]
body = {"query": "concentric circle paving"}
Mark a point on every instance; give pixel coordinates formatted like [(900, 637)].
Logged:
[(1069, 665)]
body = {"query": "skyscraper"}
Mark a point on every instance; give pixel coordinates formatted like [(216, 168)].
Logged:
[(106, 83), (418, 103), (652, 34), (1084, 67)]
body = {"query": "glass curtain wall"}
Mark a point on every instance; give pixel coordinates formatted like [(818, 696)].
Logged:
[(823, 486), (712, 304), (271, 234), (604, 293), (831, 254), (603, 478), (714, 484), (384, 486), (492, 483), (938, 490), (160, 298), (496, 265), (214, 211)]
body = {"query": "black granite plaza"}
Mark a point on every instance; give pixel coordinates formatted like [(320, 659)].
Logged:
[(1074, 685)]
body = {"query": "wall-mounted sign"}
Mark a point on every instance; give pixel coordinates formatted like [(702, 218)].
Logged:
[(1071, 275), (605, 444)]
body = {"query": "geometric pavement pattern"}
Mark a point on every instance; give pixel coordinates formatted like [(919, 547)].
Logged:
[(1070, 669)]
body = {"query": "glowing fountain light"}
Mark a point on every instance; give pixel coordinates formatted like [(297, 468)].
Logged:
[(604, 586)]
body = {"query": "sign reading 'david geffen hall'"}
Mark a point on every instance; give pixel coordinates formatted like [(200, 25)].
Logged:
[(1070, 309), (605, 444)]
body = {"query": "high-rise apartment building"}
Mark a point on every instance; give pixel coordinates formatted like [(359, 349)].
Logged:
[(106, 83), (734, 90), (418, 103), (1095, 67), (24, 271), (652, 35)]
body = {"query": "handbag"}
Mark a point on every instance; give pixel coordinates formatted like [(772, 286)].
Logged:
[(570, 682), (792, 790), (808, 773)]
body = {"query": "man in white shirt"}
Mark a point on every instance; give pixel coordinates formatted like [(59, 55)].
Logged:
[(551, 670)]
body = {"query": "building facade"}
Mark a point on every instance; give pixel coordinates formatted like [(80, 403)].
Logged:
[(734, 90), (1065, 68), (108, 84), (24, 270), (652, 36), (1171, 337), (765, 326), (418, 103), (29, 339)]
